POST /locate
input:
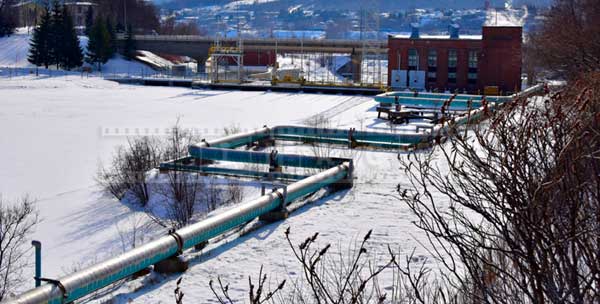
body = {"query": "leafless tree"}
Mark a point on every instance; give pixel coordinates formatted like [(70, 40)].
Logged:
[(512, 208), (182, 190), (17, 222), (567, 41), (127, 172)]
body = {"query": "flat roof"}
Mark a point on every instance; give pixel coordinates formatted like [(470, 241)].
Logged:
[(439, 37)]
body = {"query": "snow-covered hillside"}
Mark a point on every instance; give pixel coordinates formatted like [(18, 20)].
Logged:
[(14, 51)]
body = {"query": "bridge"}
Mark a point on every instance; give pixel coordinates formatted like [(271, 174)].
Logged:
[(197, 47)]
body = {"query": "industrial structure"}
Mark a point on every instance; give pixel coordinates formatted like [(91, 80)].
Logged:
[(479, 64), (490, 63), (165, 253)]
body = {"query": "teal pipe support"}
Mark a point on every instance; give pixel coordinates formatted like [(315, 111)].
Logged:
[(38, 262)]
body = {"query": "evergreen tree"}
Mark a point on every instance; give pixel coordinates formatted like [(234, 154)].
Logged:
[(98, 44), (129, 49), (39, 45), (112, 47), (8, 17), (56, 35), (89, 20), (70, 49)]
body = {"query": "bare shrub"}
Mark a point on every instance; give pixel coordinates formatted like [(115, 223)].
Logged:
[(327, 278), (17, 222), (212, 194), (522, 224), (134, 231), (182, 190), (127, 172), (257, 294), (234, 192), (320, 149), (232, 129), (179, 192)]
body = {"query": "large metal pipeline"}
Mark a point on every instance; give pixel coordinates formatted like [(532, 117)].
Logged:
[(236, 140), (314, 134), (254, 157), (81, 283), (289, 132)]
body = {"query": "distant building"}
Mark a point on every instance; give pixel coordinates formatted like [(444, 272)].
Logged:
[(27, 13), (454, 62), (78, 11)]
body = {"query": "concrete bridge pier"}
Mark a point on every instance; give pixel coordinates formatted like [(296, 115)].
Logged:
[(356, 58), (200, 64)]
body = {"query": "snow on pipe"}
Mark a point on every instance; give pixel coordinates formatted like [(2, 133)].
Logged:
[(235, 140), (81, 283), (303, 133), (367, 137)]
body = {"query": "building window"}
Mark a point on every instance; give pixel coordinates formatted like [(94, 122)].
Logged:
[(452, 58), (431, 76), (472, 75), (472, 59), (432, 66), (432, 58), (452, 63), (452, 77), (413, 59), (472, 78)]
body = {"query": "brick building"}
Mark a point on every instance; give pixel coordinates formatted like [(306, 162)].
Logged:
[(457, 62)]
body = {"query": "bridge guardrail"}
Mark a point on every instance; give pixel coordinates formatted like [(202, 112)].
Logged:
[(121, 36)]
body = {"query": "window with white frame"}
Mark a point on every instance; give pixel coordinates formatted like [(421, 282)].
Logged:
[(452, 58), (413, 59), (473, 59)]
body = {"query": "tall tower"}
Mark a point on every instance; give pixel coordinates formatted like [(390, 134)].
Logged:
[(367, 61)]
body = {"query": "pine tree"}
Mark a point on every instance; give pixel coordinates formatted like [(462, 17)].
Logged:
[(89, 20), (112, 48), (98, 44), (71, 52), (57, 34), (38, 47), (129, 49), (8, 17)]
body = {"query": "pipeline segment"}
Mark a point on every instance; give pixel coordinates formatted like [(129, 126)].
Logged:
[(81, 283), (253, 157), (435, 100), (321, 135)]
